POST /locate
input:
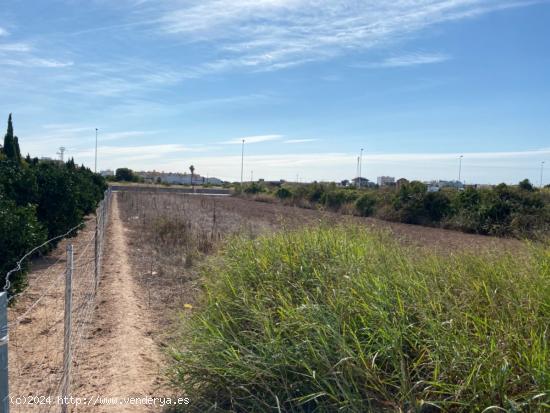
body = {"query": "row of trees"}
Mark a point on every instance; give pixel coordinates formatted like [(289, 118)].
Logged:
[(519, 210), (39, 200)]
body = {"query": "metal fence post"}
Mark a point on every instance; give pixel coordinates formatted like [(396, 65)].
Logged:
[(96, 249), (67, 356), (4, 338)]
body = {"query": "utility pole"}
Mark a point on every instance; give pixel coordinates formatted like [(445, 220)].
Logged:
[(61, 153), (242, 164), (251, 176), (541, 172), (361, 168), (357, 172), (460, 167), (95, 164)]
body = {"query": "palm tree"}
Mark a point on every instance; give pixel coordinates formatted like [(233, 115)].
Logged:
[(192, 169)]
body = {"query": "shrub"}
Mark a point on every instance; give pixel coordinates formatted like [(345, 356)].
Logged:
[(20, 231), (253, 188), (409, 203), (125, 175), (365, 205), (343, 319), (336, 198), (283, 193)]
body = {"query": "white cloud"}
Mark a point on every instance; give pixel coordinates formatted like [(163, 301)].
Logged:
[(111, 136), (37, 62), (253, 139), (413, 59), (153, 151), (15, 47), (3, 32), (275, 34), (292, 141), (477, 167)]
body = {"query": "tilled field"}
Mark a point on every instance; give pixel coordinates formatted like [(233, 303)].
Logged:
[(169, 234)]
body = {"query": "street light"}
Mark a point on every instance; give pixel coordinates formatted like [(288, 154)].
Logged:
[(541, 172), (242, 164), (357, 172), (460, 167), (95, 164), (361, 168)]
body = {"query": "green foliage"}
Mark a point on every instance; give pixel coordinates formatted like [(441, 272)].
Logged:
[(341, 319), (283, 193), (253, 188), (409, 203), (40, 200), (11, 144), (519, 211), (365, 205), (19, 232), (526, 185), (125, 175)]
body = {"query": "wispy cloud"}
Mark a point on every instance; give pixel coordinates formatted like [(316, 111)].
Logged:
[(152, 151), (252, 139), (413, 59), (292, 141), (276, 34), (3, 32), (36, 62), (15, 47)]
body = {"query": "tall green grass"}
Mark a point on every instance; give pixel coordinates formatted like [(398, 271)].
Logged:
[(340, 319)]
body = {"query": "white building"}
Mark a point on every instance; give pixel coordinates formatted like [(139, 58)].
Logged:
[(385, 181), (106, 173), (174, 178)]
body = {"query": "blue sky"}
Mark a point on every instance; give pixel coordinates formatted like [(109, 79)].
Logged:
[(306, 83)]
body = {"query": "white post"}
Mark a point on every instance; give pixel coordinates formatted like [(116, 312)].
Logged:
[(4, 384), (67, 356)]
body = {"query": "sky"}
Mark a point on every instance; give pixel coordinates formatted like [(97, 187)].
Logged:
[(306, 84)]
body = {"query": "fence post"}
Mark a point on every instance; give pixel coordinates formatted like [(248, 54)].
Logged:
[(4, 338), (67, 356), (96, 249)]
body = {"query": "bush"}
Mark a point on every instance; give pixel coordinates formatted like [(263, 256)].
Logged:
[(253, 188), (283, 193), (409, 203), (336, 198), (365, 205), (125, 175), (343, 319), (19, 232), (519, 211)]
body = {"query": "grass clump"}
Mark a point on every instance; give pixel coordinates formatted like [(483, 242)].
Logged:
[(340, 319)]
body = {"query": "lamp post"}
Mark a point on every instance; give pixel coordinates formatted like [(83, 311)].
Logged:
[(242, 163), (357, 172), (361, 168), (460, 167), (541, 172), (95, 162)]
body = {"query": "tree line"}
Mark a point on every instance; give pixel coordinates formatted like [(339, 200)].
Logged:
[(520, 211), (39, 200)]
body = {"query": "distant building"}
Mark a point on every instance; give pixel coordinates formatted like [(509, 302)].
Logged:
[(362, 182), (177, 178), (385, 181), (435, 186), (106, 173)]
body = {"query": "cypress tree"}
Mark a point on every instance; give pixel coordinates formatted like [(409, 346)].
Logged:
[(17, 149), (9, 142)]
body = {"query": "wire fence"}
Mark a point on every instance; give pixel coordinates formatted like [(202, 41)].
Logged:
[(49, 321)]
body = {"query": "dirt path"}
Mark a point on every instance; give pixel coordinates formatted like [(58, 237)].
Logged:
[(113, 352), (123, 360)]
